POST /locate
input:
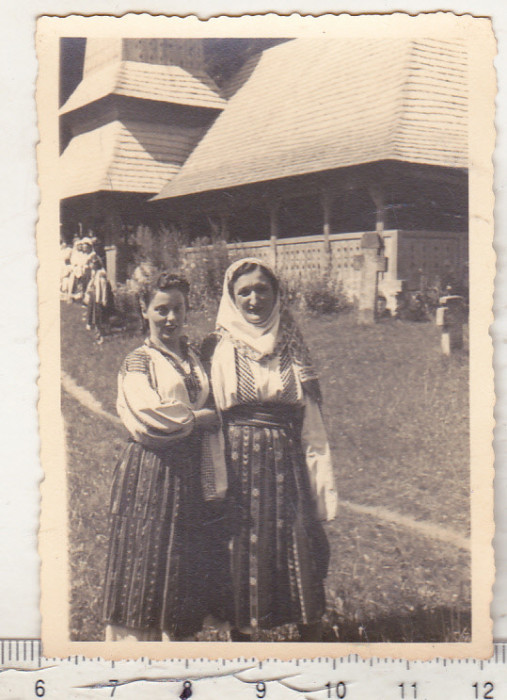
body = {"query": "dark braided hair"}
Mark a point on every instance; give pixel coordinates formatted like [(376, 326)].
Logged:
[(162, 282)]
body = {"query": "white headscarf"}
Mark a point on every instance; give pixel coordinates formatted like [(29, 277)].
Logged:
[(260, 337)]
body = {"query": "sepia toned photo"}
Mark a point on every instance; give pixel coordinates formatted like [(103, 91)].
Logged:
[(265, 286)]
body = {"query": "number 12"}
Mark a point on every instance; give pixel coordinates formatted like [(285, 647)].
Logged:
[(487, 687)]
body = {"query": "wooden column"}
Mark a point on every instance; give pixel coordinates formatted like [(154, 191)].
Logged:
[(273, 208), (224, 225), (327, 199), (376, 192)]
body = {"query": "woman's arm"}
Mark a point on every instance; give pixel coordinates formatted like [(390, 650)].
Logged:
[(318, 460), (207, 419), (149, 419)]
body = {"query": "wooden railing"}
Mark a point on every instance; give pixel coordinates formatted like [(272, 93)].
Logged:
[(410, 255)]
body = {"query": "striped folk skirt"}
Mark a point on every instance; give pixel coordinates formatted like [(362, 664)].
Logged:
[(280, 552), (168, 555)]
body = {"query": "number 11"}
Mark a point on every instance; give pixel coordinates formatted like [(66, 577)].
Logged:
[(414, 690)]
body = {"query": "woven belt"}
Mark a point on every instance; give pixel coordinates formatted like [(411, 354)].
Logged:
[(265, 415)]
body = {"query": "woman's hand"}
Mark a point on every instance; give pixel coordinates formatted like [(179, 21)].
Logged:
[(206, 419)]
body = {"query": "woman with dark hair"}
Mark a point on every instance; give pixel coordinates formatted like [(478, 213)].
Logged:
[(162, 556), (281, 482)]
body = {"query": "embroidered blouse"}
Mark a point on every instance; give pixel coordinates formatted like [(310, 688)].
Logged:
[(276, 380), (158, 392)]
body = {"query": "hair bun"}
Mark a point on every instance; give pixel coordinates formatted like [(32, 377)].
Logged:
[(170, 280)]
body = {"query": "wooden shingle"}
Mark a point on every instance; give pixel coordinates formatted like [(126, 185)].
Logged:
[(147, 81), (320, 104), (125, 157)]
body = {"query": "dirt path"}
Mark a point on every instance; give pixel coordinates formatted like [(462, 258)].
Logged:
[(424, 528)]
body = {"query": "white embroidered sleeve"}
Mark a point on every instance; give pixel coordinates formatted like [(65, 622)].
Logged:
[(152, 417), (319, 462)]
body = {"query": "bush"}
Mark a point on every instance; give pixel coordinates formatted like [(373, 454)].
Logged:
[(204, 268), (126, 306), (320, 296), (125, 301), (160, 247)]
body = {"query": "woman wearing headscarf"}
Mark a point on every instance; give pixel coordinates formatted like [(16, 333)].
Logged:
[(280, 471)]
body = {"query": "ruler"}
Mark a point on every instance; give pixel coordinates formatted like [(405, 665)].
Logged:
[(25, 673)]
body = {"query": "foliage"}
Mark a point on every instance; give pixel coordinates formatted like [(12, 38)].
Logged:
[(417, 305), (204, 267), (126, 303), (319, 295), (160, 247)]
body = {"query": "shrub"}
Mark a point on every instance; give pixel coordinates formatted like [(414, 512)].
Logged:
[(204, 267), (320, 295), (159, 247), (126, 305)]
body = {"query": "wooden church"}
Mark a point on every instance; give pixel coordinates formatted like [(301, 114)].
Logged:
[(306, 144)]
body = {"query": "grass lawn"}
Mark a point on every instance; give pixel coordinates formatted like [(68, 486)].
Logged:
[(397, 417)]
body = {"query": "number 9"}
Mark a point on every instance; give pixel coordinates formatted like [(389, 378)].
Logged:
[(261, 689)]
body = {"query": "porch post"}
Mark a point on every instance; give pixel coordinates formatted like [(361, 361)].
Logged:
[(273, 207), (224, 225), (327, 201), (376, 192)]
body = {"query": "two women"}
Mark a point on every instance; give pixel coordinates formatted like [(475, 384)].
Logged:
[(279, 469)]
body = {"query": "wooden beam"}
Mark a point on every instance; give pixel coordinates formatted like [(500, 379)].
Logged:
[(224, 224), (376, 192), (327, 199), (273, 208)]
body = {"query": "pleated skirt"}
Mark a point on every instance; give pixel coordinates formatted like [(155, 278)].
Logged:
[(168, 551), (280, 552)]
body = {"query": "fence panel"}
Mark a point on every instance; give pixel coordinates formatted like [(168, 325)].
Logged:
[(410, 254), (432, 255)]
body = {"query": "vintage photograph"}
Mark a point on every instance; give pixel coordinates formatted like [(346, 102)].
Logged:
[(264, 288)]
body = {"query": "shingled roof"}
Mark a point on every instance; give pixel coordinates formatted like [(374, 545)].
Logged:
[(319, 104), (146, 81), (125, 157)]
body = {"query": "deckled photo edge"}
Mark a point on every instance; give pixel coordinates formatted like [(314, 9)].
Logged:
[(53, 540)]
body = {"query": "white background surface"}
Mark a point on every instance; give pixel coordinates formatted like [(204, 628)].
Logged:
[(19, 466)]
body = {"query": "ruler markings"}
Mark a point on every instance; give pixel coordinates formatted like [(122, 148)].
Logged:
[(436, 685)]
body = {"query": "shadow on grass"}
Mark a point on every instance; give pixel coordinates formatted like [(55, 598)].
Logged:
[(440, 624)]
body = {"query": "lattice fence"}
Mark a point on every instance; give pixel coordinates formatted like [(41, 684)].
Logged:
[(411, 254)]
